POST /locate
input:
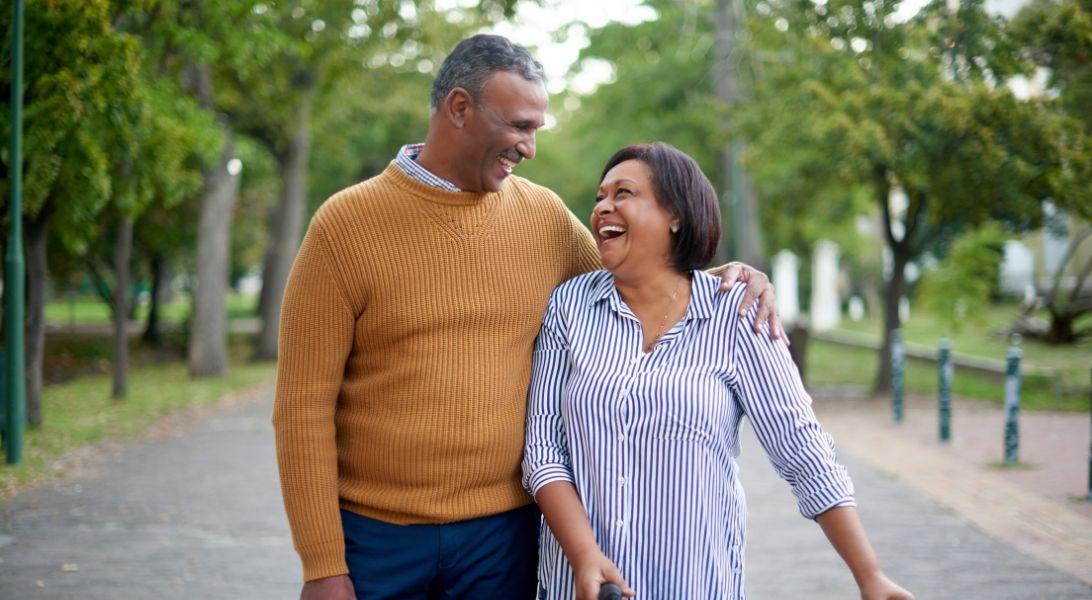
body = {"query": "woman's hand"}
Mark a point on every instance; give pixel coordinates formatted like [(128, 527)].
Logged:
[(879, 587), (592, 570)]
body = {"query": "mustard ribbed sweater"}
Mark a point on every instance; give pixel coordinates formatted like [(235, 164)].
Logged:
[(406, 336)]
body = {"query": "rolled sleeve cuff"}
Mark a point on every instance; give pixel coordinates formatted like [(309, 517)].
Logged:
[(545, 474), (323, 560), (825, 492)]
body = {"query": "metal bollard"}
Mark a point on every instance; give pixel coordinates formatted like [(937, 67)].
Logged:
[(898, 362), (944, 387), (1012, 405)]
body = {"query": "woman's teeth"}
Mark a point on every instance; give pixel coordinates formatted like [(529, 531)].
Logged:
[(608, 232)]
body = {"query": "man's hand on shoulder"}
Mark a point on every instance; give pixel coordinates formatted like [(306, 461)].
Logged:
[(338, 587), (759, 289)]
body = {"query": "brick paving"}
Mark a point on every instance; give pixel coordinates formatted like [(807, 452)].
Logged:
[(1031, 508)]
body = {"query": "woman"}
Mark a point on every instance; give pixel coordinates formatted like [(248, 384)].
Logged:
[(642, 374)]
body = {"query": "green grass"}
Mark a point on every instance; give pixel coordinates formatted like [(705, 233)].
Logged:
[(984, 335), (836, 365), (91, 310), (80, 413)]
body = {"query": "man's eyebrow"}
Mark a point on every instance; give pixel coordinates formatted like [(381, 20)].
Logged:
[(521, 123)]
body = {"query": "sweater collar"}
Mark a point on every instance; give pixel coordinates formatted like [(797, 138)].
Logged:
[(435, 194)]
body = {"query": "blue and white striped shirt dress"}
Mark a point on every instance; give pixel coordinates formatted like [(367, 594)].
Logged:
[(650, 440)]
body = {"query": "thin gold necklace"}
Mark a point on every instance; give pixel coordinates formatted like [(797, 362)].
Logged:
[(663, 321)]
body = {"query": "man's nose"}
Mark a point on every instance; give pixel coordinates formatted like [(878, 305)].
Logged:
[(526, 147)]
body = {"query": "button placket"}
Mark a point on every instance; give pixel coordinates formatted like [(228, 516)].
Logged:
[(631, 371)]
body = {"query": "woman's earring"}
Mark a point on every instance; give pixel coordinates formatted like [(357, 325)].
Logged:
[(674, 228)]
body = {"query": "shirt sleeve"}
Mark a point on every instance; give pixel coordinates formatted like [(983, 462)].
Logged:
[(768, 386), (546, 455), (316, 336)]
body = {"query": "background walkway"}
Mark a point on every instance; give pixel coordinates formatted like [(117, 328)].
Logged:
[(196, 513)]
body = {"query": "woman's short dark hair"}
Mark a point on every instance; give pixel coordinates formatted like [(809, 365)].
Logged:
[(685, 192)]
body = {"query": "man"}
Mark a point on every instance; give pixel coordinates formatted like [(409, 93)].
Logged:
[(406, 337)]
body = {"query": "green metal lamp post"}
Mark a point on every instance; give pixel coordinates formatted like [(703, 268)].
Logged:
[(14, 309)]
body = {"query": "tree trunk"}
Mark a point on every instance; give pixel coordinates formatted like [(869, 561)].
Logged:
[(208, 344), (896, 288), (739, 205), (1061, 329), (37, 234), (123, 248), (152, 334), (285, 236), (274, 220)]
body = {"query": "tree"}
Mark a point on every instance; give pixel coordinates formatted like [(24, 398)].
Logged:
[(741, 210), (273, 101), (184, 39), (208, 344), (81, 75), (1057, 36), (915, 109), (297, 76), (661, 88)]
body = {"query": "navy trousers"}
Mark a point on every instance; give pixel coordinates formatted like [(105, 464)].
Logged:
[(489, 558)]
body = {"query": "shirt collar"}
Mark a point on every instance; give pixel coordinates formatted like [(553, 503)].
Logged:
[(406, 159), (703, 290)]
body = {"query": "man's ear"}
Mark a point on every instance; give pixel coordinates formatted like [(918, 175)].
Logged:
[(457, 107)]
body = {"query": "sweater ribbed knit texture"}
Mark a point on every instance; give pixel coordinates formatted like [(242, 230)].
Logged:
[(406, 335)]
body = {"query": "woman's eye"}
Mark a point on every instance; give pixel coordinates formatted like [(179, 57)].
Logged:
[(599, 198)]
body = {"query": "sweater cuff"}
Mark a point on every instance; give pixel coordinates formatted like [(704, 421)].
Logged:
[(323, 560)]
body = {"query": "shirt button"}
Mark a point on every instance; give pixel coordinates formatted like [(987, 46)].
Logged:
[(621, 437), (620, 523), (622, 479)]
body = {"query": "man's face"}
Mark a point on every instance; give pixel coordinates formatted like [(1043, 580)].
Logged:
[(500, 130)]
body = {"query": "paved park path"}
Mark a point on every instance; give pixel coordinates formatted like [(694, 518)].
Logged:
[(196, 513)]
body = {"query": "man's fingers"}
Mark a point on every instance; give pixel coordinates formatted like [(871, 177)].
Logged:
[(781, 330), (744, 270), (749, 299), (730, 275), (762, 316)]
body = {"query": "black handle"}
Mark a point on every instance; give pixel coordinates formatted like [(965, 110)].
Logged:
[(609, 591)]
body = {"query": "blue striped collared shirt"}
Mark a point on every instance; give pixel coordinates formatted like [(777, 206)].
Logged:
[(406, 159), (650, 440)]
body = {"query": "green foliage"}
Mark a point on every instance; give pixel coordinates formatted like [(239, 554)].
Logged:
[(662, 90), (81, 98), (865, 100), (962, 284), (1057, 35)]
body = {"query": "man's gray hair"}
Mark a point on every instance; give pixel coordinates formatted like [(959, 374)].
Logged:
[(476, 58)]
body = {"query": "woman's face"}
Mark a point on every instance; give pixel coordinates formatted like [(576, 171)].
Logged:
[(631, 228)]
